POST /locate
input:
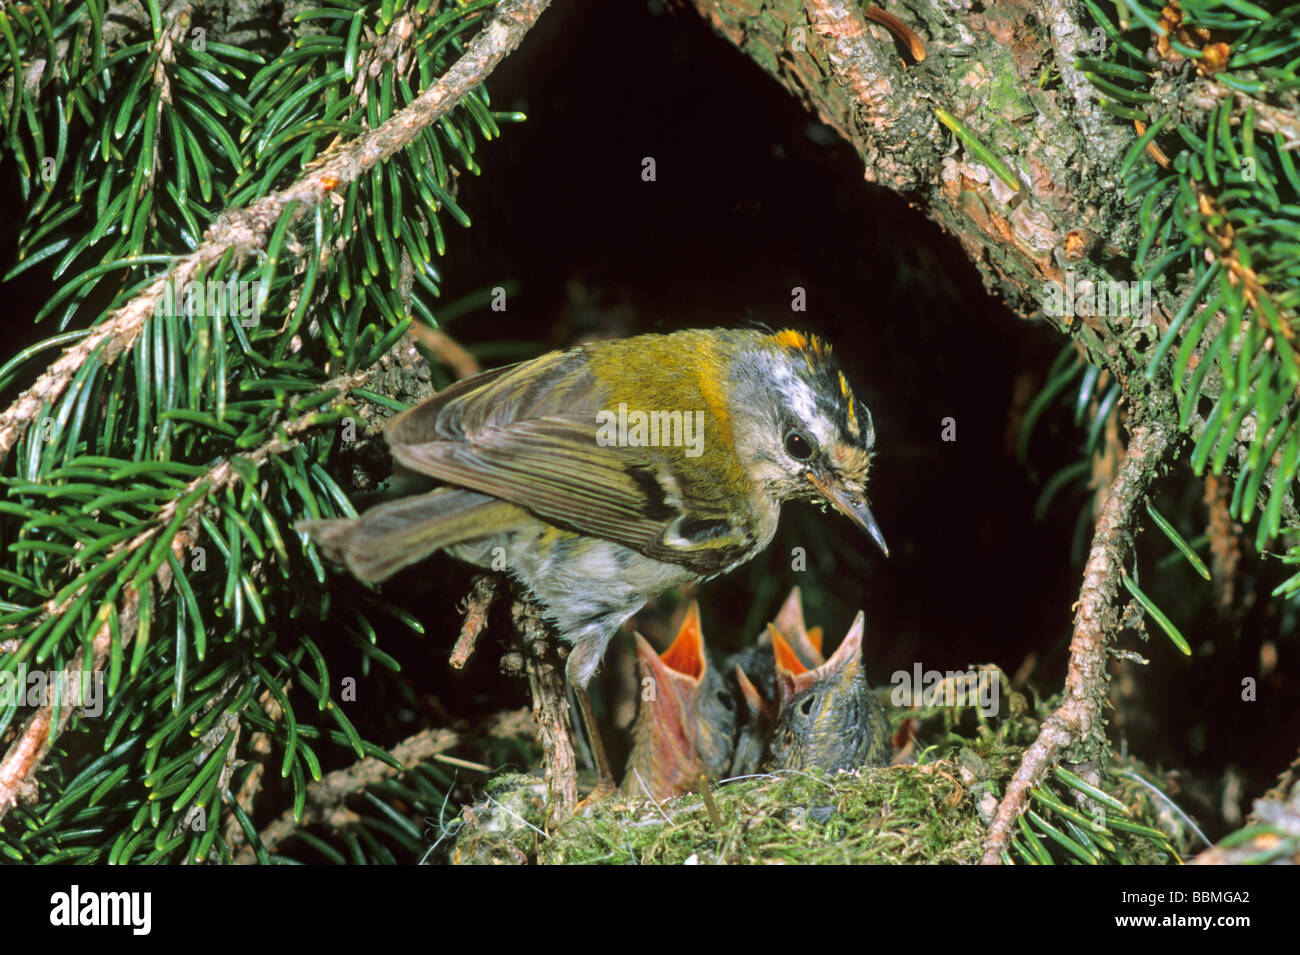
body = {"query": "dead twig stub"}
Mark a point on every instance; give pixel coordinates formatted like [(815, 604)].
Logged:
[(477, 603), (1225, 543), (1078, 720), (447, 350)]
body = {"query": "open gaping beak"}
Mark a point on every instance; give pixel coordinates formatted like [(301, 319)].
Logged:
[(851, 506)]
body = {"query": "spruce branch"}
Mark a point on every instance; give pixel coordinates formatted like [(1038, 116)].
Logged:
[(145, 517), (27, 752), (247, 230), (1078, 720), (1209, 94)]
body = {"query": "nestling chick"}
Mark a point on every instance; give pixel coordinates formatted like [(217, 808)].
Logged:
[(685, 718), (752, 676), (829, 716)]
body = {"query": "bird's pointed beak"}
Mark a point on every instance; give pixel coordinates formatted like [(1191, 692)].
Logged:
[(851, 505)]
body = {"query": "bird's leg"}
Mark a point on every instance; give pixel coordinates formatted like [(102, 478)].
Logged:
[(550, 708), (605, 784), (584, 658)]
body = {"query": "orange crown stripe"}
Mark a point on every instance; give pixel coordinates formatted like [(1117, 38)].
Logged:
[(792, 339)]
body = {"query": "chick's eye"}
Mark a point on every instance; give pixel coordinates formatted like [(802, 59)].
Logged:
[(797, 446)]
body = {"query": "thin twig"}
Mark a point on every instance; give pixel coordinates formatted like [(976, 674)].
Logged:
[(176, 22), (325, 799), (447, 350), (1079, 717), (1225, 542), (259, 747), (902, 32), (462, 763)]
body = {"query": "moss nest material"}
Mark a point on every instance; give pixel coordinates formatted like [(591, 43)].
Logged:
[(934, 810)]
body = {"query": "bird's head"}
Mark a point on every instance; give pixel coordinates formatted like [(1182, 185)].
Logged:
[(828, 716), (797, 426)]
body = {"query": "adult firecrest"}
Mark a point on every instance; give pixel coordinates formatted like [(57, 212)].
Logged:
[(601, 476)]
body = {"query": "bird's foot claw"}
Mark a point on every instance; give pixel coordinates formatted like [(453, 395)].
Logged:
[(603, 790)]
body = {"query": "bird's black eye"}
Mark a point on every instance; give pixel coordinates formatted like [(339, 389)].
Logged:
[(797, 446)]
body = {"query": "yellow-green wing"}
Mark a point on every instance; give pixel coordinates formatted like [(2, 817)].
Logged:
[(527, 434)]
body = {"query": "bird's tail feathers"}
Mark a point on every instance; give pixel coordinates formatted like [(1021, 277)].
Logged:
[(387, 538)]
